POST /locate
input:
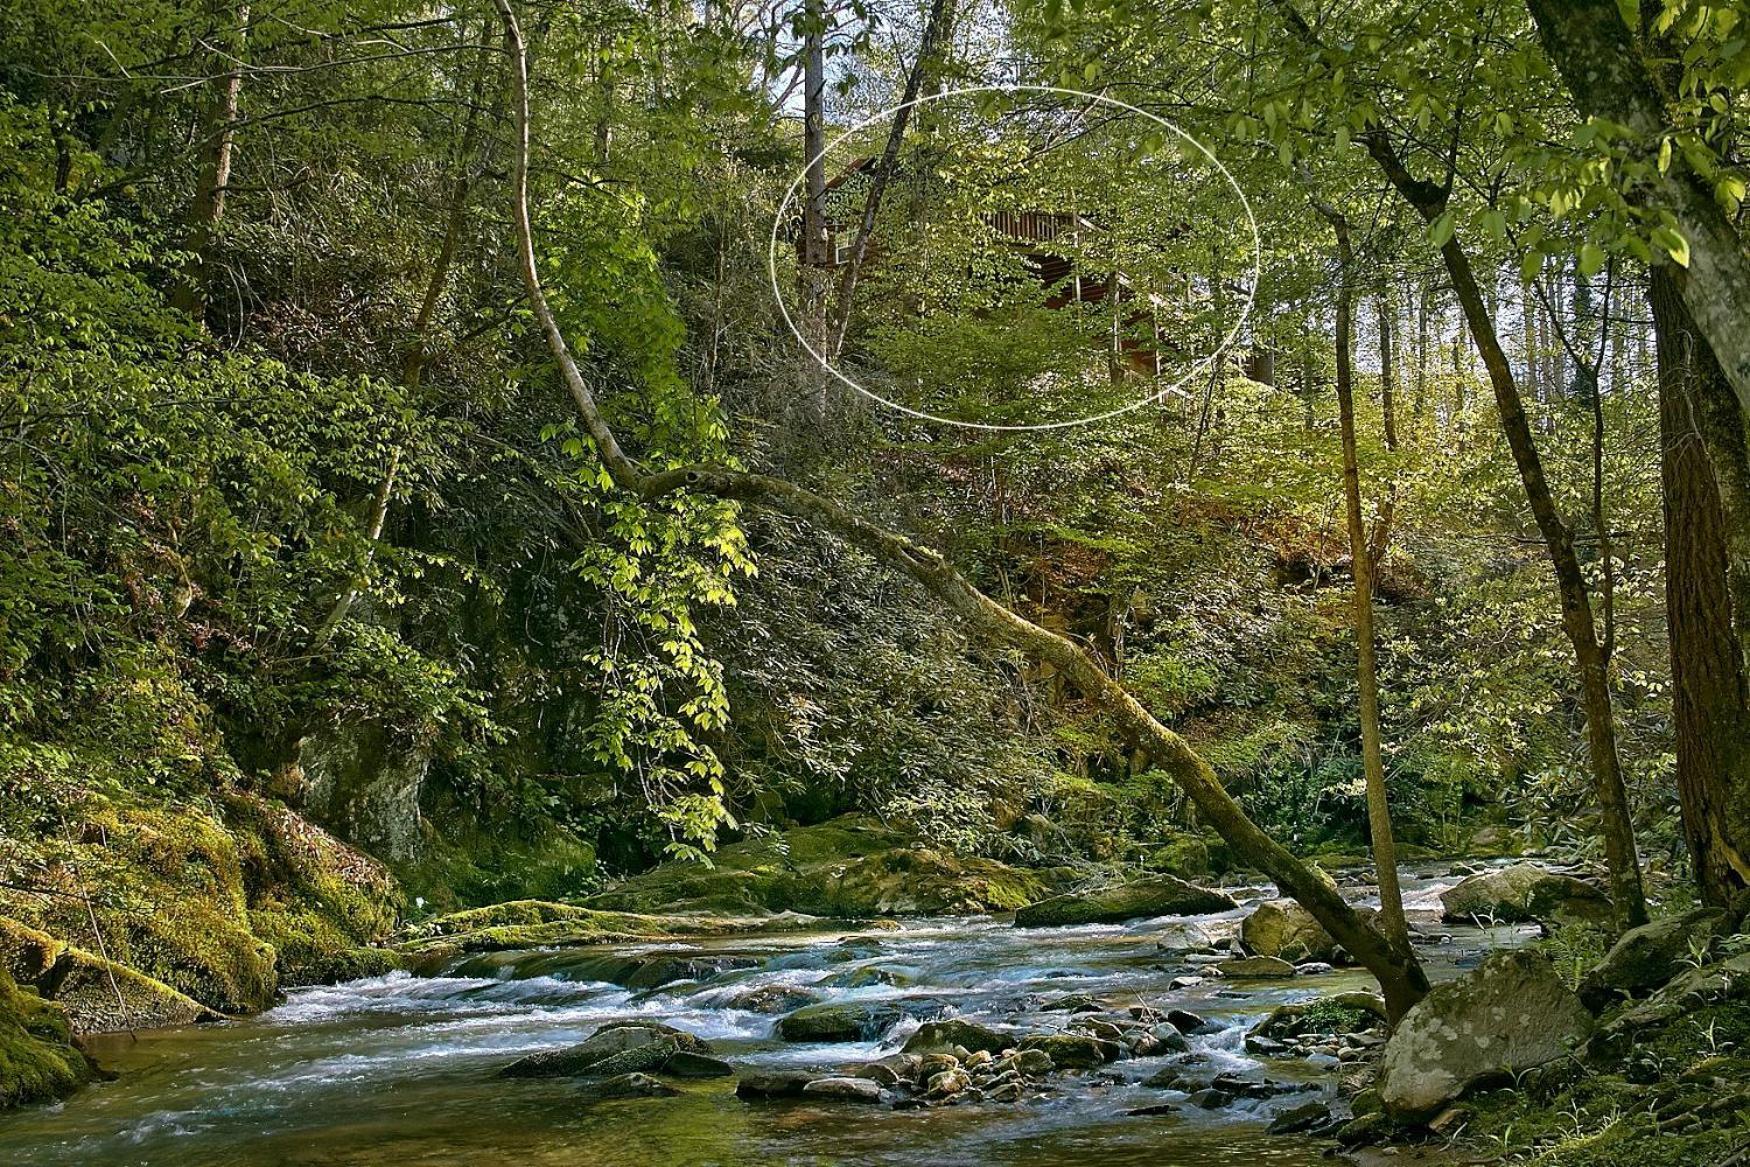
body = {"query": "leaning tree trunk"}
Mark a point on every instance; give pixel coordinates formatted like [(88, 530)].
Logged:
[(1707, 674), (1400, 976)]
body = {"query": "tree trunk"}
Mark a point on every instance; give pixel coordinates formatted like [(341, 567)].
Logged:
[(232, 32), (1597, 56), (1707, 674), (1385, 855), (1400, 976), (1429, 200)]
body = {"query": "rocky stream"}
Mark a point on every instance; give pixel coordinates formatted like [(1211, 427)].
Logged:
[(965, 1040)]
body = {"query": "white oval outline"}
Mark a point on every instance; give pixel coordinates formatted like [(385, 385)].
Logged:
[(1176, 387)]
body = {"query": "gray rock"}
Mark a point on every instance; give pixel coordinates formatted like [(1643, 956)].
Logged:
[(1157, 895), (779, 1084), (947, 1083), (1522, 894), (943, 1036), (1255, 968), (1645, 958), (1511, 1013), (1187, 1022), (844, 1089), (1283, 928)]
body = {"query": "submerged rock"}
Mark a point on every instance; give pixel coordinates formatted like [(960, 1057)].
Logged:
[(632, 1086), (1524, 894), (1306, 1118), (1157, 895), (687, 1064), (1511, 1013), (840, 1021)]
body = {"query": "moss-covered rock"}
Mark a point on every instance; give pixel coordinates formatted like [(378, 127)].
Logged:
[(38, 1061), (96, 995), (1522, 894), (849, 867), (840, 1021), (1645, 958), (1282, 928), (1156, 895), (1511, 1013)]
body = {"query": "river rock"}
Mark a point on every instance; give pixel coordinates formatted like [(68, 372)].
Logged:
[(1072, 1050), (1511, 1013), (1647, 957), (631, 1086), (774, 999), (1255, 968), (1156, 895), (1343, 1013), (841, 1021), (1523, 894), (1034, 1062), (1186, 1021), (944, 1036), (947, 1083), (606, 1050), (1306, 1118), (777, 1084), (844, 1089), (1284, 929)]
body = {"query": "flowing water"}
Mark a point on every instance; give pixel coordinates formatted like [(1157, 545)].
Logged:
[(399, 1070)]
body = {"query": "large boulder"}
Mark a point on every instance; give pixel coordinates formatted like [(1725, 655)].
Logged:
[(1282, 928), (844, 1021), (943, 1036), (1511, 1013), (1647, 957), (1156, 895), (1524, 894)]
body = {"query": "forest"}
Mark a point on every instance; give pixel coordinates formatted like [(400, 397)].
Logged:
[(732, 582)]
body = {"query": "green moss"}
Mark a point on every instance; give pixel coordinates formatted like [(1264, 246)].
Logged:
[(38, 1061), (1680, 1098), (97, 995)]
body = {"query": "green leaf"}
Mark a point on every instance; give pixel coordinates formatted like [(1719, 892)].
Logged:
[(1440, 231), (1675, 245), (1591, 259)]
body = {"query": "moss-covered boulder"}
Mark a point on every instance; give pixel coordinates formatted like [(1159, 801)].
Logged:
[(1511, 1013), (38, 1061), (1524, 894), (840, 1022), (849, 867), (1645, 958), (95, 995), (1155, 895), (441, 942), (325, 906)]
